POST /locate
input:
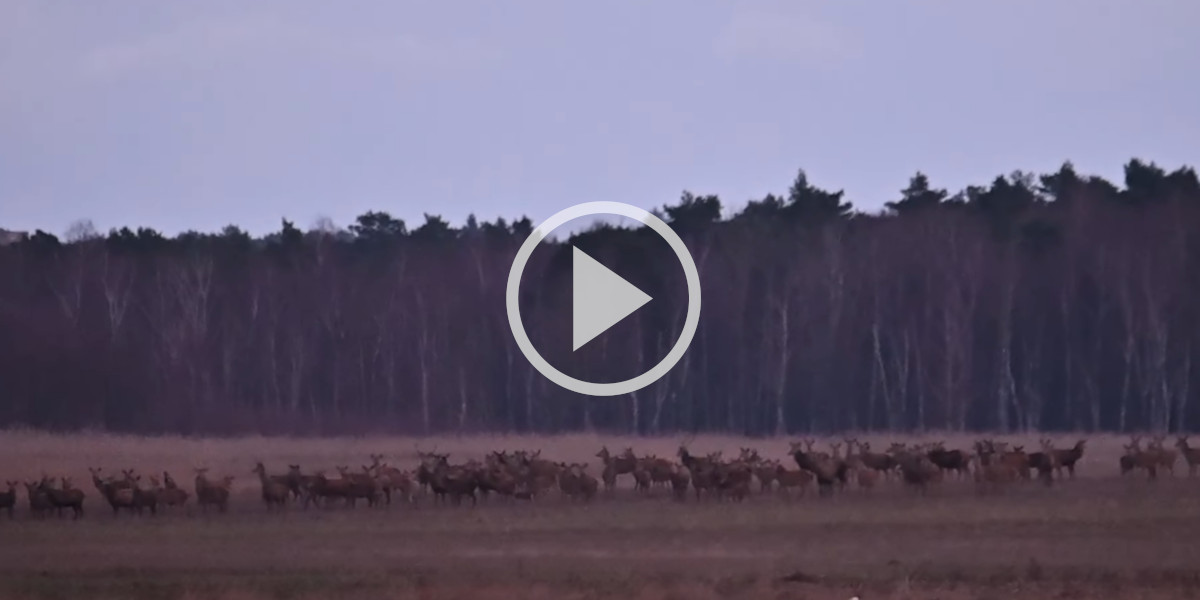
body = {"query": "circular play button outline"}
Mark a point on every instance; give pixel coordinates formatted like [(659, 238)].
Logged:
[(690, 321)]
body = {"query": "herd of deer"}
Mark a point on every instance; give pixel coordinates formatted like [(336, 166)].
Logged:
[(525, 475)]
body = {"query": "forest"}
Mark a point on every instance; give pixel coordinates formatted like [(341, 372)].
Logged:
[(1046, 302)]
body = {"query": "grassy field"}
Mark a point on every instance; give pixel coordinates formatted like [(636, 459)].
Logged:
[(1098, 536)]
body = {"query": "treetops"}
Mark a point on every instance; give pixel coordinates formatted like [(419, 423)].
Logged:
[(1038, 203)]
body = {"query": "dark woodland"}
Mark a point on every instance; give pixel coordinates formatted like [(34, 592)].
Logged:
[(1035, 302)]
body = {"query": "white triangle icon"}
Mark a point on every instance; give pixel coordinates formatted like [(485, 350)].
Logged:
[(599, 298)]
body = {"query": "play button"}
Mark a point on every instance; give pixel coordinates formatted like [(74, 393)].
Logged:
[(600, 299)]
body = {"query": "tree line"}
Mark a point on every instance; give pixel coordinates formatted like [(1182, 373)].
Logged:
[(1036, 302)]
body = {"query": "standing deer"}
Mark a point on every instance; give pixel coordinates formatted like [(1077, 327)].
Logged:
[(827, 470), (615, 465), (1190, 455), (1066, 459), (275, 493), (212, 493), (1166, 456)]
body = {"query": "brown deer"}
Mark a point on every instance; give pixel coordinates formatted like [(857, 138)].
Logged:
[(324, 488), (210, 493), (1166, 456), (142, 498), (660, 470), (362, 485), (882, 463), (828, 471), (1045, 462), (865, 476), (501, 480), (733, 479), (168, 496), (701, 471), (917, 471), (275, 490), (641, 478), (615, 466), (39, 500), (67, 496), (118, 493), (579, 484), (542, 472), (1190, 455), (955, 461), (765, 471), (1066, 459), (680, 479), (456, 482), (1137, 458), (789, 479), (388, 478), (1018, 459), (424, 469)]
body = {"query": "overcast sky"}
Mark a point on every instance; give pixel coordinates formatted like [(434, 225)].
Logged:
[(192, 115)]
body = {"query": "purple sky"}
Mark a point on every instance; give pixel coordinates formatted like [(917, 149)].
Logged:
[(181, 115)]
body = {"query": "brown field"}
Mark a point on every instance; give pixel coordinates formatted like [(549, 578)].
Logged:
[(1098, 536)]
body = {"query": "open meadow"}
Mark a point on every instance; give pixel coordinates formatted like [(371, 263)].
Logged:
[(1099, 534)]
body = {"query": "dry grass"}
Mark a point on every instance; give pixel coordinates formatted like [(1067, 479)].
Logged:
[(1100, 536)]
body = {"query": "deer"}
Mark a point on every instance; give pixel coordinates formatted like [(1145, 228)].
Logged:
[(362, 485), (733, 479), (1066, 459), (1018, 459), (577, 484), (1045, 462), (660, 470), (456, 481), (680, 479), (1190, 455), (828, 471), (701, 471), (1166, 456), (275, 490), (323, 488), (424, 473), (212, 493), (792, 479), (641, 478), (39, 500), (542, 472), (66, 496), (616, 465), (118, 493), (1137, 458), (425, 470), (388, 478), (500, 479), (170, 495), (290, 480), (917, 470), (765, 471), (588, 485), (949, 460), (142, 498), (882, 463)]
